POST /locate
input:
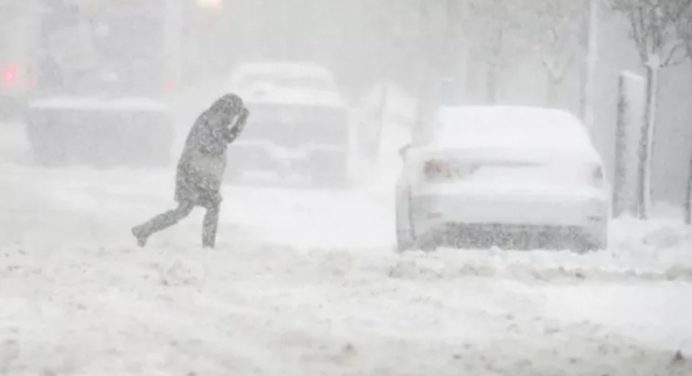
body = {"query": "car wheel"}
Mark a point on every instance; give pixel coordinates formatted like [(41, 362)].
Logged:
[(404, 244), (586, 244), (428, 246)]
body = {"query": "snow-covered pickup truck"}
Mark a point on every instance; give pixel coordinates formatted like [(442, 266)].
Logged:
[(299, 124)]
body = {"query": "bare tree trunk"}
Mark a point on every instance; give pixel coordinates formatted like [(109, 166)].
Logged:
[(630, 115), (688, 196), (646, 143)]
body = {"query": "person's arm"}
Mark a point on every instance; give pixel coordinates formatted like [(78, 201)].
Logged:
[(238, 127), (209, 136)]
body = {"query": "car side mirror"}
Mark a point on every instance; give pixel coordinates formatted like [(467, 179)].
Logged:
[(404, 150)]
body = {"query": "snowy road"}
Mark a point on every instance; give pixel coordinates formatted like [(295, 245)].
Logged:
[(306, 283)]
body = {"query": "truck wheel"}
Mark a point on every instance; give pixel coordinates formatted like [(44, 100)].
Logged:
[(404, 243), (586, 244)]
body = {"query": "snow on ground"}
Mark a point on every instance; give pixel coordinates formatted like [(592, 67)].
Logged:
[(306, 282)]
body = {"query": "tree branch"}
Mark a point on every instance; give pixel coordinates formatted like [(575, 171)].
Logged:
[(668, 61), (674, 15)]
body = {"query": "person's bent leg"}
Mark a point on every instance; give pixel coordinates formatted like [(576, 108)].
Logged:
[(161, 221), (211, 222)]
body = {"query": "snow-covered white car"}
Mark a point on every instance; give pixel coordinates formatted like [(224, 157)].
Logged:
[(299, 122), (511, 177)]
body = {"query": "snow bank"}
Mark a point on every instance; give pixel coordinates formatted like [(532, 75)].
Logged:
[(307, 283), (657, 250)]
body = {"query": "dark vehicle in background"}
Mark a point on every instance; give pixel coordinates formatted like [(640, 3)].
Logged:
[(300, 123), (16, 68), (102, 77)]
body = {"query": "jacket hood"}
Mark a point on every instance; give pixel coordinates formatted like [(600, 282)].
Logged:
[(228, 106)]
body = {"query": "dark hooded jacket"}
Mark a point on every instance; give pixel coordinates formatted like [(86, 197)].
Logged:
[(203, 161)]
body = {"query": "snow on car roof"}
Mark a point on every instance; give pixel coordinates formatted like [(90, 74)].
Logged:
[(119, 104), (286, 83), (295, 97), (499, 127)]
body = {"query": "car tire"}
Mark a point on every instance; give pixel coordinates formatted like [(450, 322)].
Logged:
[(587, 244), (404, 244), (428, 245), (408, 243)]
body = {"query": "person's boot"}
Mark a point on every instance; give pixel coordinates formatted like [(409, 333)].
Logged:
[(208, 244), (140, 235), (211, 219)]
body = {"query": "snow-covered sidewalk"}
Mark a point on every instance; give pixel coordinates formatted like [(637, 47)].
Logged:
[(307, 283)]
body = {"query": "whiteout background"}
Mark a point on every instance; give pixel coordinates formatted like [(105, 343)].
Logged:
[(306, 282)]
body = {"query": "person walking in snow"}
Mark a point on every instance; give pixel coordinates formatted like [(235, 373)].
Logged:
[(200, 169)]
